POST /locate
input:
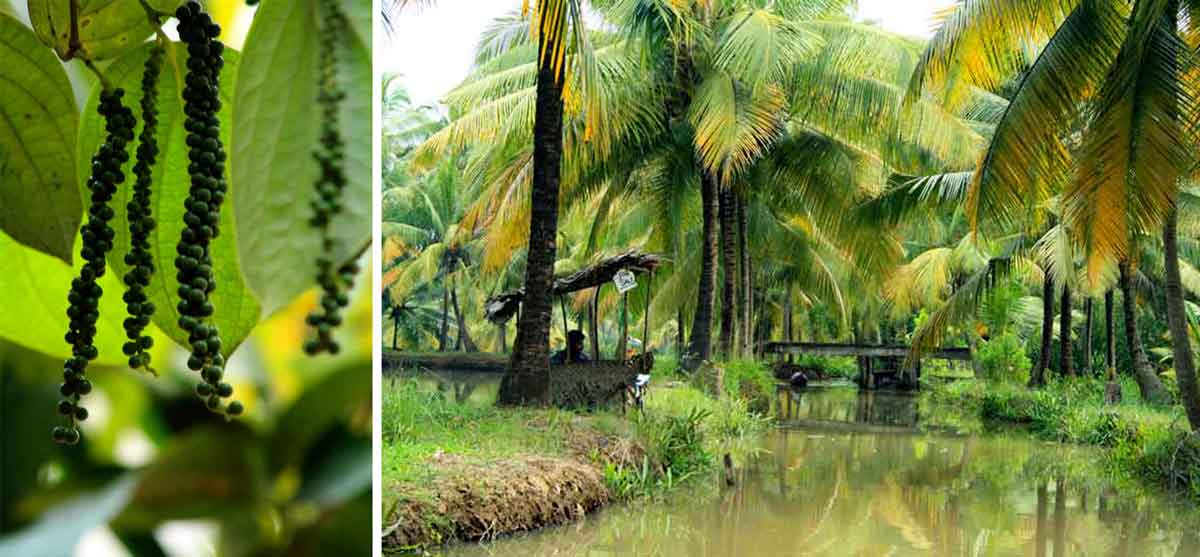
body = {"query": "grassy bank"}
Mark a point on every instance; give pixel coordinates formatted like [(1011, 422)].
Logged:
[(1147, 443), (456, 467)]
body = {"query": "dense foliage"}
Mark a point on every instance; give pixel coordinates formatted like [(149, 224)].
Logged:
[(852, 184)]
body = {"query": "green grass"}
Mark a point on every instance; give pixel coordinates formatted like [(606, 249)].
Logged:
[(1149, 443), (419, 421), (683, 431)]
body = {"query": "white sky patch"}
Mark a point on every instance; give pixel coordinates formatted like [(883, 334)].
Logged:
[(914, 18), (433, 47)]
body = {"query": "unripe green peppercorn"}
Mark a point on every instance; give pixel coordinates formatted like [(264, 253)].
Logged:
[(84, 297), (203, 205), (141, 224), (328, 189)]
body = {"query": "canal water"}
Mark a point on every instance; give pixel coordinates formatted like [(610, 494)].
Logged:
[(851, 473)]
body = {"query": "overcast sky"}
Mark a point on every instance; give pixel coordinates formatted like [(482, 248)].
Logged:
[(433, 47)]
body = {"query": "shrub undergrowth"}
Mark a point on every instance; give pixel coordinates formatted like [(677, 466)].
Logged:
[(1147, 442)]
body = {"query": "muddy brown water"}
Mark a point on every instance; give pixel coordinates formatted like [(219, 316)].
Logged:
[(857, 474)]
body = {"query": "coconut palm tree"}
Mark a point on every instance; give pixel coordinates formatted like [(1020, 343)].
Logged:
[(558, 25), (1099, 111)]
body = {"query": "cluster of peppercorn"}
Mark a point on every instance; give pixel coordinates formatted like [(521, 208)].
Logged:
[(335, 281), (141, 223), (97, 236), (207, 170)]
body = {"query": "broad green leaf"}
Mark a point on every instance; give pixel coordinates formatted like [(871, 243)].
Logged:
[(39, 204), (276, 127), (237, 312), (104, 28), (35, 287)]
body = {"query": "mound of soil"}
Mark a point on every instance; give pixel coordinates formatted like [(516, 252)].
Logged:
[(602, 449), (475, 501)]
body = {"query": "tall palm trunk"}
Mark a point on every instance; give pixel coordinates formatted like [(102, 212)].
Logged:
[(700, 344), (1185, 367), (1149, 384), (395, 333), (1087, 335), (747, 287), (1110, 340), (527, 380), (444, 330), (729, 268), (502, 337), (622, 341), (788, 327), (464, 342), (1066, 363), (594, 324), (1038, 377), (680, 335)]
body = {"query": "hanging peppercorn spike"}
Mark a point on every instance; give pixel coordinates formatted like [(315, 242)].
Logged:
[(141, 223), (335, 281), (194, 265), (97, 241)]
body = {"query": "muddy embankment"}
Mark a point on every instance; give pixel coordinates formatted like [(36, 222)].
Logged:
[(471, 500)]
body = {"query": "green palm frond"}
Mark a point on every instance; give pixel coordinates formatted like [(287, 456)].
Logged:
[(983, 42), (1029, 154), (756, 47), (734, 125), (1134, 150)]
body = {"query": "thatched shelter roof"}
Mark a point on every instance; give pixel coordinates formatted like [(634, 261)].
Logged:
[(501, 308)]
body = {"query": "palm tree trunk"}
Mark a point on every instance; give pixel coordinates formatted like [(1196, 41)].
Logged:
[(788, 329), (1038, 377), (464, 342), (1149, 384), (681, 336), (747, 282), (527, 380), (1066, 363), (444, 330), (729, 267), (502, 337), (700, 345), (1185, 367), (619, 353), (1087, 336), (594, 324), (395, 334), (1110, 340)]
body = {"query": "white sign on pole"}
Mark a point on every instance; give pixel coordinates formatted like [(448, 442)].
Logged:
[(625, 281)]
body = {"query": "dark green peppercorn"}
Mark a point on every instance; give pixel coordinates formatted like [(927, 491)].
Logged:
[(97, 235)]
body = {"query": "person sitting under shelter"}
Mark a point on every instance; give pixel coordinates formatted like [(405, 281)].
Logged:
[(573, 353)]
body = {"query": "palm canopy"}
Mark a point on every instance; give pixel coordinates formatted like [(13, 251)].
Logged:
[(1097, 115), (740, 106)]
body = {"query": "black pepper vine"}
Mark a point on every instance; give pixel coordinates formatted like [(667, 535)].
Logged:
[(97, 240), (201, 96), (141, 223), (335, 282)]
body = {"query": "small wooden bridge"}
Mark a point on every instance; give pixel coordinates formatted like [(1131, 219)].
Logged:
[(892, 359)]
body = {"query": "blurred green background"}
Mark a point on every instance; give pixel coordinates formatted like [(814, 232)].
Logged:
[(157, 474)]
